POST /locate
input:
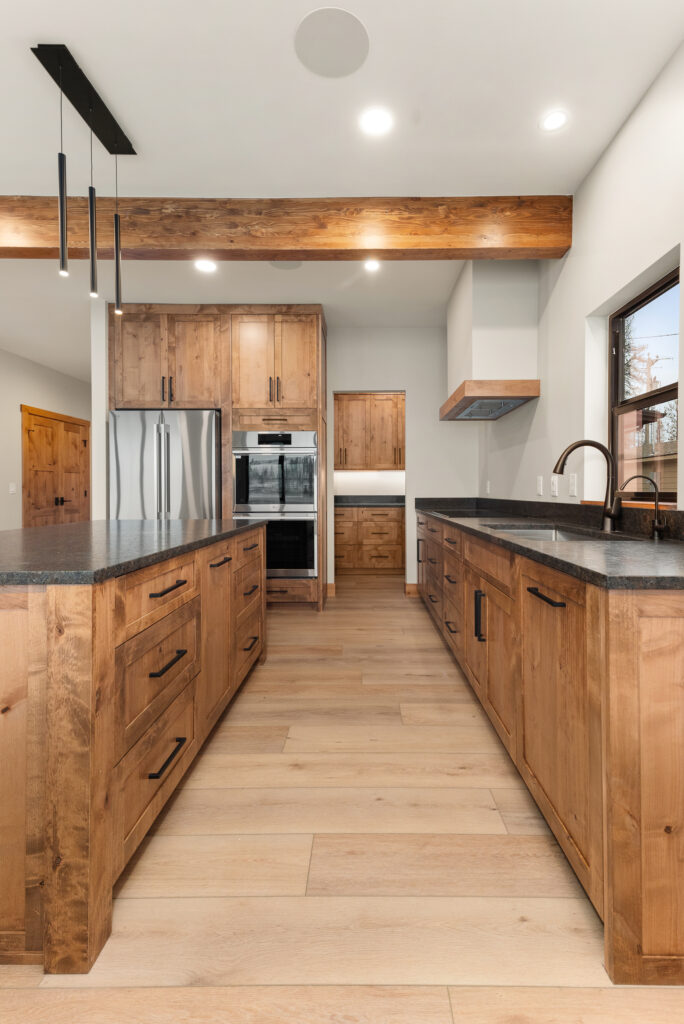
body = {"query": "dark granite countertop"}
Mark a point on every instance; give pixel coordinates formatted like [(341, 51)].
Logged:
[(92, 552), (617, 562), (369, 500)]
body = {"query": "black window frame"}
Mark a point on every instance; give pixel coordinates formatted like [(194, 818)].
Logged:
[(665, 394)]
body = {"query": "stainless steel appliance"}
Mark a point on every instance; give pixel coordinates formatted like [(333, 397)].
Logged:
[(165, 464), (275, 471), (291, 544)]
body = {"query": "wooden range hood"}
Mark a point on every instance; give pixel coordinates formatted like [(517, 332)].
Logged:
[(487, 399)]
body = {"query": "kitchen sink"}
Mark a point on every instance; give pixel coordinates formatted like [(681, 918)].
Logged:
[(554, 533)]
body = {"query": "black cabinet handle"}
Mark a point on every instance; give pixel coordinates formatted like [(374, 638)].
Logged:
[(270, 389), (478, 595), (224, 561), (433, 529), (250, 646), (56, 501), (380, 556), (283, 591), (162, 671), (418, 543), (251, 547), (379, 533), (247, 593), (448, 540), (180, 742), (277, 389), (432, 598), (432, 561), (449, 625), (170, 389), (542, 597), (163, 389), (449, 578), (400, 456), (174, 586)]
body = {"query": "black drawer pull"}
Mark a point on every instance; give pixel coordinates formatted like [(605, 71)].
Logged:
[(162, 671), (450, 541), (549, 600), (379, 533), (251, 547), (248, 593), (174, 586), (224, 561), (432, 598), (379, 556), (448, 625), (432, 561), (180, 743), (272, 591), (249, 647), (449, 578), (433, 529), (478, 595)]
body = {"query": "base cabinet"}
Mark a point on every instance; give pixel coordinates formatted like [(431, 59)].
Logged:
[(369, 539)]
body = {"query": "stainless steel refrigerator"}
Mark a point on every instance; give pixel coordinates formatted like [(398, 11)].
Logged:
[(165, 464)]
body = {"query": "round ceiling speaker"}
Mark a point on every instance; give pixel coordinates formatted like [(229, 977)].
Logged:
[(331, 42)]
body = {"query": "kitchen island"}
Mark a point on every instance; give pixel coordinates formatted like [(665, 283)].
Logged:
[(122, 644)]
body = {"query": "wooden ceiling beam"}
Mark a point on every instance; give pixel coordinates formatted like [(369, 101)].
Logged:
[(487, 227)]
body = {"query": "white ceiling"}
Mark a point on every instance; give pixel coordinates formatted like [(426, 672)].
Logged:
[(46, 318), (217, 104)]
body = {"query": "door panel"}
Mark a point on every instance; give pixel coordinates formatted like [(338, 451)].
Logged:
[(384, 444), (400, 413), (354, 409), (75, 474), (55, 468), (140, 361), (476, 649), (253, 361), (295, 362), (503, 661), (193, 363)]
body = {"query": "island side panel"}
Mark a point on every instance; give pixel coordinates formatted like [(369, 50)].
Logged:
[(644, 767)]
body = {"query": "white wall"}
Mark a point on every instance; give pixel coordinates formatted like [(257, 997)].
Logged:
[(441, 458), (459, 319), (23, 382), (505, 319), (628, 227)]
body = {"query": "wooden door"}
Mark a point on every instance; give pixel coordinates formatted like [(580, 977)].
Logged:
[(215, 680), (55, 468), (503, 664), (194, 362), (383, 447), (253, 361), (354, 410), (295, 362), (476, 638), (338, 414), (140, 361), (400, 413)]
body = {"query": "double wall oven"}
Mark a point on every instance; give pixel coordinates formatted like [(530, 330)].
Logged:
[(275, 477)]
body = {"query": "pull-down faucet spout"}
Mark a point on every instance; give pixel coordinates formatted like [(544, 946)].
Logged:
[(612, 505)]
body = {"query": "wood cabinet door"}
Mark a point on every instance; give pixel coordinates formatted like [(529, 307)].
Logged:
[(338, 413), (214, 683), (253, 361), (296, 372), (75, 473), (55, 468), (503, 664), (476, 631), (400, 412), (140, 371), (383, 447), (194, 362), (557, 706), (354, 424)]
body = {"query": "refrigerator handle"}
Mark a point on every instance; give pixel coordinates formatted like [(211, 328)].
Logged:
[(167, 470), (158, 466)]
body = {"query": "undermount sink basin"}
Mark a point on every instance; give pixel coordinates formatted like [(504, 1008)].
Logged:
[(553, 533)]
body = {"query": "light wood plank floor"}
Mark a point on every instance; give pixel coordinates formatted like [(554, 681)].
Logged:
[(352, 845)]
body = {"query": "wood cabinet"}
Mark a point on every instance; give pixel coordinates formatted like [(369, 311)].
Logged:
[(165, 360), (370, 539), (369, 430), (215, 568), (275, 362)]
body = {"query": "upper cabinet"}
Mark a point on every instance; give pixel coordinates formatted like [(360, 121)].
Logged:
[(275, 361), (166, 361), (369, 430)]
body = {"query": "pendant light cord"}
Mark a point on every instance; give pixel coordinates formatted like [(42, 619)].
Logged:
[(116, 183), (91, 144), (61, 127)]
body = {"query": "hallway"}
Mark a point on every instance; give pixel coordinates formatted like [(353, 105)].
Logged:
[(353, 844)]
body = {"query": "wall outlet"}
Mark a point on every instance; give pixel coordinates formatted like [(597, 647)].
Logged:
[(572, 485), (13, 488), (540, 485), (488, 487), (554, 485)]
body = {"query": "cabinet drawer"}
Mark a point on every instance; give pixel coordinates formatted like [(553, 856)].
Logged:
[(434, 529), (452, 578), (346, 556), (491, 561), (248, 643), (267, 419), (388, 556), (453, 540), (452, 623), (346, 515), (153, 667), (345, 531), (433, 598), (421, 522), (151, 770), (148, 595), (247, 587), (283, 591), (434, 559), (247, 547), (380, 532), (378, 514)]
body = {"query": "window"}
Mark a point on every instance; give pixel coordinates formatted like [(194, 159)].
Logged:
[(644, 389)]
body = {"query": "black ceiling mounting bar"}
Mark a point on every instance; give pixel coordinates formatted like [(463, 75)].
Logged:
[(61, 66)]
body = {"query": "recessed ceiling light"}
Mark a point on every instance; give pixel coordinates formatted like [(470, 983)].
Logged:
[(331, 42), (206, 266), (554, 120), (372, 265), (376, 121)]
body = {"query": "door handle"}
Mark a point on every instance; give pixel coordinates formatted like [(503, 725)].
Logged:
[(248, 593), (395, 456), (180, 742), (478, 595), (345, 456), (340, 459), (449, 578), (400, 456), (270, 389), (224, 561), (170, 389), (251, 645), (174, 586), (278, 396), (174, 661), (163, 389), (448, 625), (536, 592)]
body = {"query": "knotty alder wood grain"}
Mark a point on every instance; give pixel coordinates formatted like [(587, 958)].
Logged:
[(478, 227)]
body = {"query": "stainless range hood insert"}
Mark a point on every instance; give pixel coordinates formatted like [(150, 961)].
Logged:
[(488, 399)]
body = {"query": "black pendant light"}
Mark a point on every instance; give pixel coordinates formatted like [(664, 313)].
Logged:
[(117, 241), (62, 208), (92, 225)]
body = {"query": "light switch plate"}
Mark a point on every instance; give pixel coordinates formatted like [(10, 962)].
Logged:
[(540, 485), (488, 488), (13, 488), (554, 485), (572, 485)]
